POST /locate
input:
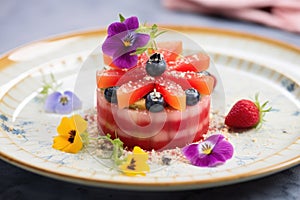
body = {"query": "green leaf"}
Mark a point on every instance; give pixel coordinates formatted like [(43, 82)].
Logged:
[(141, 50), (50, 86), (262, 110), (52, 77), (153, 32), (158, 34), (122, 18), (154, 28), (85, 138), (117, 148)]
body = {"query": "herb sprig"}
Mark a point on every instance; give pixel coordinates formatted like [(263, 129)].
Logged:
[(154, 32), (117, 148), (49, 86)]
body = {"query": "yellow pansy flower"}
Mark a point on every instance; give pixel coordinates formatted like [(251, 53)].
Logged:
[(136, 163), (69, 130)]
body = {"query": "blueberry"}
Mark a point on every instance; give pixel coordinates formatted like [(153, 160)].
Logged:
[(205, 73), (155, 102), (192, 97), (110, 94), (156, 65)]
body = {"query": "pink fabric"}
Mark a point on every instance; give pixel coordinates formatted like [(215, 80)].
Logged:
[(283, 14)]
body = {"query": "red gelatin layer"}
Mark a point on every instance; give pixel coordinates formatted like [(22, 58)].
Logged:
[(164, 130)]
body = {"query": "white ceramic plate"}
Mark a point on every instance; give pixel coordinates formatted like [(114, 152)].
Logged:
[(247, 64)]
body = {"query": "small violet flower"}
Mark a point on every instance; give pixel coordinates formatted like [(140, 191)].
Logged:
[(211, 152), (122, 41), (62, 103)]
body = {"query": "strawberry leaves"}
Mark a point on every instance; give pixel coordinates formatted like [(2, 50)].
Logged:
[(262, 110)]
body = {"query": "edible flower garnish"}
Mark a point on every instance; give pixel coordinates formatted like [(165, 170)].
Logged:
[(213, 151), (123, 40), (69, 130), (62, 103), (136, 163)]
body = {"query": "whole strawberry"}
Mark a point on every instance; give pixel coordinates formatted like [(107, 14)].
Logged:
[(246, 114)]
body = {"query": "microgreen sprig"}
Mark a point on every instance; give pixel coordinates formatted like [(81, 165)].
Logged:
[(117, 148), (49, 86), (85, 138), (154, 32), (121, 17)]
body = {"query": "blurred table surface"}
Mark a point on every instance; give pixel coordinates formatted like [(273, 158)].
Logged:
[(22, 22)]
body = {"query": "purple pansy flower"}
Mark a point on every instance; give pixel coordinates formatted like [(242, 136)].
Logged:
[(62, 103), (213, 151), (122, 41)]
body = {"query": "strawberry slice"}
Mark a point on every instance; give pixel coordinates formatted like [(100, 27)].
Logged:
[(170, 50), (131, 92), (142, 59), (173, 94), (109, 78), (117, 77), (196, 63), (108, 61), (133, 74), (203, 84)]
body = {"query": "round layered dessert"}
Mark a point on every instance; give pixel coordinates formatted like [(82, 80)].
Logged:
[(163, 102)]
